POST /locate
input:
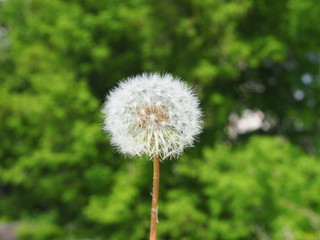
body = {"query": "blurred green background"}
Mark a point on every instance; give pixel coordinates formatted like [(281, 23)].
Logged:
[(255, 172)]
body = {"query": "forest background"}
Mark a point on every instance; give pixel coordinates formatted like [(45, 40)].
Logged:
[(255, 171)]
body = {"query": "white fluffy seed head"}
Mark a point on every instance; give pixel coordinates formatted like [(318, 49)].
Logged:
[(152, 114)]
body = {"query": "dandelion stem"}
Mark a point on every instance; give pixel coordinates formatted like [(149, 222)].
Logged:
[(155, 196)]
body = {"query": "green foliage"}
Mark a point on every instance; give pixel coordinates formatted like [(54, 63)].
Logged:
[(38, 231), (265, 188), (58, 175)]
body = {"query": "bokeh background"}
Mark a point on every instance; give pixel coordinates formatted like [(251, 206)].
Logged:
[(255, 172)]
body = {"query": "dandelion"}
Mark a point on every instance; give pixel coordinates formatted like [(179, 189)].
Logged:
[(154, 115)]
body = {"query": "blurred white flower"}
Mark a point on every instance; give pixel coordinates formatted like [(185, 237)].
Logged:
[(152, 114)]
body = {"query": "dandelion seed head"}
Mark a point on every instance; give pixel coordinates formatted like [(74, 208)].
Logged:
[(152, 114)]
